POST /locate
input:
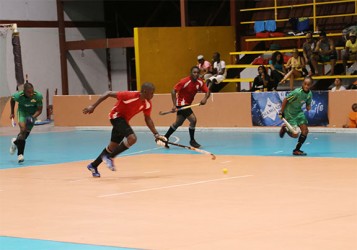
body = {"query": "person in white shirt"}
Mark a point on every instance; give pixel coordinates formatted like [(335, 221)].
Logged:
[(338, 85), (219, 71)]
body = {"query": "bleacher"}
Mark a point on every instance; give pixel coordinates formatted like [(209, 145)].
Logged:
[(238, 80), (251, 47)]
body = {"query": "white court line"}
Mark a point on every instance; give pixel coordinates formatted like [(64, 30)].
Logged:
[(173, 186), (78, 180), (225, 162), (142, 151), (150, 149), (277, 152), (152, 172)]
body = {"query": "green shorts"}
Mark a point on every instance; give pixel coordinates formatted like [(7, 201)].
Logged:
[(21, 116), (327, 58), (296, 119)]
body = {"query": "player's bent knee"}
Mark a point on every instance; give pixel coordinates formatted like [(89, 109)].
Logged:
[(177, 124), (193, 124), (294, 135), (305, 131), (130, 140), (22, 135)]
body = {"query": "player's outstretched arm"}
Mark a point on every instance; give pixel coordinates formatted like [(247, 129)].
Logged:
[(159, 139), (90, 109)]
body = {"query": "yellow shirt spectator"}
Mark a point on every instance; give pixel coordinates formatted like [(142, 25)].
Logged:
[(351, 46)]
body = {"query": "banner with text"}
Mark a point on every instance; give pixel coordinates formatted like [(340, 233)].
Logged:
[(266, 105)]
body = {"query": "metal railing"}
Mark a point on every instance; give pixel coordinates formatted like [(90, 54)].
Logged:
[(314, 4)]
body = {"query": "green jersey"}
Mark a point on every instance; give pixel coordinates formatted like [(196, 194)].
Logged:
[(293, 110), (28, 105)]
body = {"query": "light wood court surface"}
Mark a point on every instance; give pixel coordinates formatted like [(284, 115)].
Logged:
[(165, 201)]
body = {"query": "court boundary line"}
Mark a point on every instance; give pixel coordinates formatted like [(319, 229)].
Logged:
[(217, 129), (173, 186)]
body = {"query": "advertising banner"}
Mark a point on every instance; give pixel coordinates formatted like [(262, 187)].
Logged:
[(266, 105)]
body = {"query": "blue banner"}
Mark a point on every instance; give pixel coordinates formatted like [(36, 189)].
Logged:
[(266, 105)]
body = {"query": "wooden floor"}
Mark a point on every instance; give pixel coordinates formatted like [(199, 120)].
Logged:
[(184, 202)]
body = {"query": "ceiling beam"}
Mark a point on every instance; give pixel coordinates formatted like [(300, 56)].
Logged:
[(54, 24), (127, 42)]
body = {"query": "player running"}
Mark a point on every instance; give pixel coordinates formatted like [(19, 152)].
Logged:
[(29, 108), (182, 95), (123, 137), (291, 110)]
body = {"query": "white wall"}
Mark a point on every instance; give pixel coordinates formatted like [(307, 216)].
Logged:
[(4, 88), (119, 69), (39, 10), (40, 49), (87, 71)]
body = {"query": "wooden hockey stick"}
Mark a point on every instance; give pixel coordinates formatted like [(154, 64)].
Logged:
[(178, 109)]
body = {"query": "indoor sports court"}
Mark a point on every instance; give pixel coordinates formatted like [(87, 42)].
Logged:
[(177, 198), (252, 195)]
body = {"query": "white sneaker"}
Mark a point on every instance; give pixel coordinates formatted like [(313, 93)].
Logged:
[(109, 162), (13, 146), (20, 158)]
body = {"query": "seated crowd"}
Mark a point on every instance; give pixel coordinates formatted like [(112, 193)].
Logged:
[(314, 52), (282, 68), (321, 51), (213, 73)]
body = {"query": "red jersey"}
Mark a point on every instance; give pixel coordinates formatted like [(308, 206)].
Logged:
[(186, 89), (129, 104)]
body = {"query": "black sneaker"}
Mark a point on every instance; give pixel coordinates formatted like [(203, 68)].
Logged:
[(299, 152), (282, 131), (94, 170), (194, 144)]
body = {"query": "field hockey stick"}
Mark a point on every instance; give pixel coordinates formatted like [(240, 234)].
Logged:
[(288, 125), (178, 109), (193, 149), (13, 123), (291, 128)]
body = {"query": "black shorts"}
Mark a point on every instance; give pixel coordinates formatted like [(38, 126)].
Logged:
[(120, 129), (185, 112)]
